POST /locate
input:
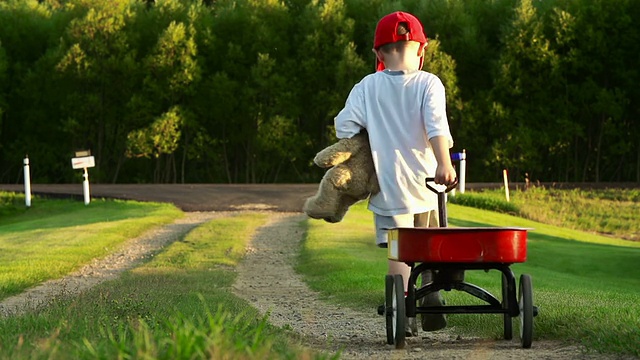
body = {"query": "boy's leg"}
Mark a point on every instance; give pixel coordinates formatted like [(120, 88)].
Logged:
[(397, 267), (382, 224), (430, 322)]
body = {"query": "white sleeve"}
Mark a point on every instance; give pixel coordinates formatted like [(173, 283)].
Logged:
[(351, 119), (435, 111)]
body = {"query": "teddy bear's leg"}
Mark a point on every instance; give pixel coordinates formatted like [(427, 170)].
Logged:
[(345, 202), (341, 210), (325, 203)]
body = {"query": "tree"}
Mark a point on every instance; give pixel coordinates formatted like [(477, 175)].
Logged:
[(172, 71), (99, 69), (246, 90), (527, 109), (29, 126), (3, 89), (328, 65), (598, 41), (155, 141)]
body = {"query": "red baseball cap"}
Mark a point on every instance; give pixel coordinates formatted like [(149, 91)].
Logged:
[(387, 31)]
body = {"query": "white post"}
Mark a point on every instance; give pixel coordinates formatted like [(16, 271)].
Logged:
[(462, 159), (27, 182), (463, 170), (506, 184), (84, 160), (85, 187)]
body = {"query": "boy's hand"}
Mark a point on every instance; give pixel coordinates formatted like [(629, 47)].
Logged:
[(446, 175)]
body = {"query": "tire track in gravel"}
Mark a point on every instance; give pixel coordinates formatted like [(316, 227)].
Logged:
[(129, 255)]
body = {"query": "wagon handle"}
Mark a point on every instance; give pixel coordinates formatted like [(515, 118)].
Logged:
[(442, 205), (449, 187)]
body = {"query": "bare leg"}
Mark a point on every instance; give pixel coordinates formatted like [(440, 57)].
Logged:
[(430, 322), (400, 268)]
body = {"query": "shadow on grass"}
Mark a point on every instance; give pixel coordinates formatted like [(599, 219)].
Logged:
[(58, 214)]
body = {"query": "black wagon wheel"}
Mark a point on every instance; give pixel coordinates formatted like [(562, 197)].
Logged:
[(388, 307), (395, 311), (525, 302), (508, 323)]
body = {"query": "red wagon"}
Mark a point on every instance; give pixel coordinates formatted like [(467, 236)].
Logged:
[(450, 251)]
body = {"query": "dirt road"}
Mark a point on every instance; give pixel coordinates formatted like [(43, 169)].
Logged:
[(190, 197)]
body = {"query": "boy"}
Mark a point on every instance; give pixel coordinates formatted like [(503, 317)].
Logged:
[(404, 111)]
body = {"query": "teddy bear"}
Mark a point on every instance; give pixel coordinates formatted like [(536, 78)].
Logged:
[(351, 177)]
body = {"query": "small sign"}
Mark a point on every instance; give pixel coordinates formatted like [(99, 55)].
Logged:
[(83, 162), (83, 153)]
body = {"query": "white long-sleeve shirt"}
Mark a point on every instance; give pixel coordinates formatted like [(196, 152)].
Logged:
[(401, 111)]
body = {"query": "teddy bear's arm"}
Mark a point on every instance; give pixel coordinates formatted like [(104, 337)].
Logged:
[(333, 155)]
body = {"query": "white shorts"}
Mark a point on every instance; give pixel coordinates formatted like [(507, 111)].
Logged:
[(384, 223)]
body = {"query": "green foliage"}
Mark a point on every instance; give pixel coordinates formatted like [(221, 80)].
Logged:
[(548, 124), (539, 87), (3, 71), (526, 55), (486, 200), (161, 137)]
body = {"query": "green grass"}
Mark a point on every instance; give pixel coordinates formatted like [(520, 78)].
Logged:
[(178, 306), (587, 286), (55, 237), (613, 212)]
